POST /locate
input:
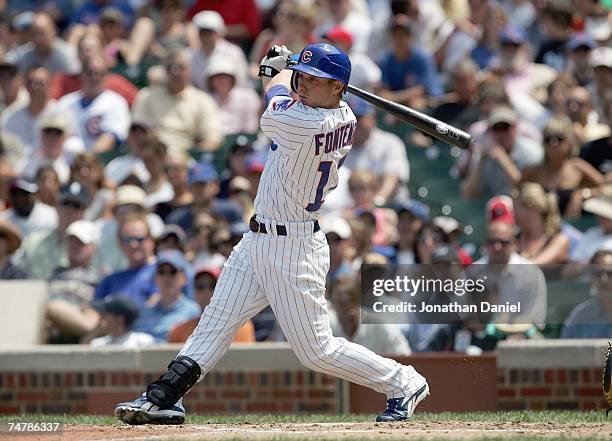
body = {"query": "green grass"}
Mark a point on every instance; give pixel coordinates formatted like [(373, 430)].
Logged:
[(492, 417)]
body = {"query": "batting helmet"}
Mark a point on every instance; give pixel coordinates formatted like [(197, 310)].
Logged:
[(322, 60)]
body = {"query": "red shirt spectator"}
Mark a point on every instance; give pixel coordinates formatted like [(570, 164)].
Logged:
[(63, 83), (234, 13)]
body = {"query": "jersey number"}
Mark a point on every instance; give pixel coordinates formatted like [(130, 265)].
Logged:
[(325, 169)]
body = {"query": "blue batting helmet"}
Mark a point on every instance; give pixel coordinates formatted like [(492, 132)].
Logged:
[(322, 60)]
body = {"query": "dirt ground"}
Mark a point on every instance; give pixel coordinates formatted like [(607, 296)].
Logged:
[(276, 431)]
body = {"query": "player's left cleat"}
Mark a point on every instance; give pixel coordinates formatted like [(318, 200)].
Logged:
[(400, 409), (142, 411)]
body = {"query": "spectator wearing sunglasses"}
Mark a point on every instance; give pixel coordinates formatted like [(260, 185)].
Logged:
[(593, 318), (504, 153), (169, 306), (137, 282), (42, 252)]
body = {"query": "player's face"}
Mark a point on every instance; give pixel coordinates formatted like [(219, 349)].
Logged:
[(318, 92)]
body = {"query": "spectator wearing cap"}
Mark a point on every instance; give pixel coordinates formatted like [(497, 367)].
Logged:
[(453, 231), (409, 73), (601, 62), (500, 208), (27, 213), (117, 316), (579, 68), (503, 155), (45, 48), (11, 85), (100, 117), (10, 241), (206, 278), (23, 121), (411, 215), (213, 45), (137, 281), (342, 13), (365, 74), (598, 237), (239, 106), (428, 238), (129, 200), (72, 285), (113, 25), (177, 170), (561, 172), (89, 45), (184, 116), (241, 17), (524, 80), (42, 252), (378, 151), (204, 183), (344, 317), (53, 130), (338, 234), (593, 318), (170, 306), (131, 163), (556, 20)]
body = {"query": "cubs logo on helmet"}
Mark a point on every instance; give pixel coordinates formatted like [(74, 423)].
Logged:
[(306, 56)]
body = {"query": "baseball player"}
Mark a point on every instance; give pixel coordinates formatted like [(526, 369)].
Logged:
[(284, 259)]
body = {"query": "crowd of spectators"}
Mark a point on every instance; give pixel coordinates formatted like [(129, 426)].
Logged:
[(130, 155)]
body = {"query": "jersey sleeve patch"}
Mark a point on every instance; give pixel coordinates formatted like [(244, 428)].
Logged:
[(277, 90)]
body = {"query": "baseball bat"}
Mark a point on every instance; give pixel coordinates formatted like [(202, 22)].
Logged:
[(425, 123)]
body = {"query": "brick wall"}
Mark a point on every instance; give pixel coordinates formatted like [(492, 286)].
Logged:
[(550, 374), (98, 392)]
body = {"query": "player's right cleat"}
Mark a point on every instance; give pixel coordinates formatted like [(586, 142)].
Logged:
[(142, 411), (400, 409)]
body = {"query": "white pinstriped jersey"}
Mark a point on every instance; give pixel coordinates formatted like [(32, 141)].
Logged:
[(308, 146)]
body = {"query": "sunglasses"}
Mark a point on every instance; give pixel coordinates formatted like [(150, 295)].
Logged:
[(127, 240), (502, 242), (72, 204), (601, 273), (52, 131), (167, 272)]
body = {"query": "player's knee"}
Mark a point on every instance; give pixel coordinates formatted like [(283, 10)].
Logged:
[(182, 374)]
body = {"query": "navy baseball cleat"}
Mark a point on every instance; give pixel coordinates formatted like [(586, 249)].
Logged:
[(399, 409), (142, 411)]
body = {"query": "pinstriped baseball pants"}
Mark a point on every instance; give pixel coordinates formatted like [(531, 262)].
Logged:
[(289, 274)]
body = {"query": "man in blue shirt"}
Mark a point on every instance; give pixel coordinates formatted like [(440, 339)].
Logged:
[(137, 282), (409, 73), (170, 307)]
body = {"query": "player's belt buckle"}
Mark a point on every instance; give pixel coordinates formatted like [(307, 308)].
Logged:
[(281, 230)]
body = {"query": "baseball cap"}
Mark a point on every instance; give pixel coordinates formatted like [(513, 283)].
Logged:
[(512, 35), (174, 258), (581, 39), (502, 114), (501, 209), (22, 184), (54, 121), (75, 192), (220, 65), (447, 224), (130, 194), (117, 305), (112, 15), (202, 172), (360, 107), (22, 21), (210, 20), (339, 34), (84, 230), (214, 271), (336, 225), (416, 208), (601, 57), (176, 231)]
